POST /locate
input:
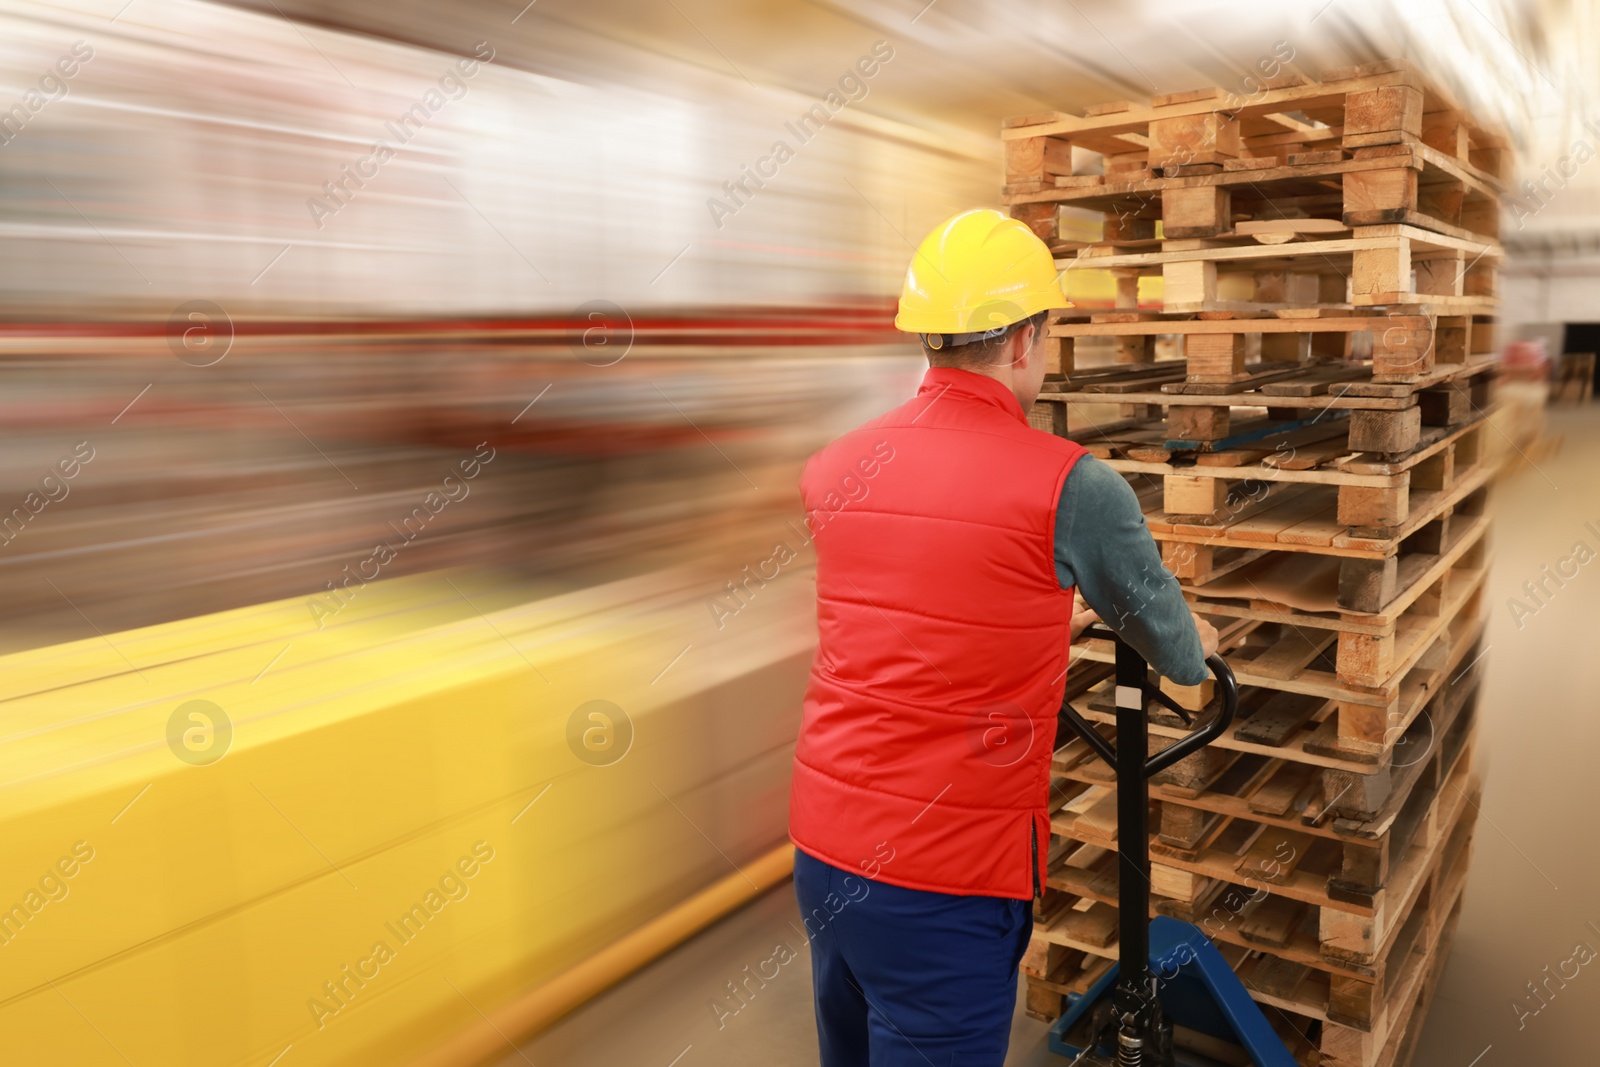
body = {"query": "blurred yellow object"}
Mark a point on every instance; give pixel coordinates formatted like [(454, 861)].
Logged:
[(234, 835), (978, 271), (541, 1006)]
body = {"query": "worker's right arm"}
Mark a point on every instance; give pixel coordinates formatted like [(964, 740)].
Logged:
[(1103, 547)]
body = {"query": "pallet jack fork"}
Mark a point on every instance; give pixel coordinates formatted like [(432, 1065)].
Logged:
[(1169, 973)]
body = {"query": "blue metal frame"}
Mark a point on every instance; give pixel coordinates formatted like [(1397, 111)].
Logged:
[(1198, 991)]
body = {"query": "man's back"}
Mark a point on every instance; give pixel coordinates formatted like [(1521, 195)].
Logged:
[(950, 537), (943, 642)]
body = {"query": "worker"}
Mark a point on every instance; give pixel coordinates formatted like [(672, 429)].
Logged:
[(950, 538)]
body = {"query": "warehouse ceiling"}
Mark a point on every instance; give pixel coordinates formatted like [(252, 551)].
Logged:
[(962, 65)]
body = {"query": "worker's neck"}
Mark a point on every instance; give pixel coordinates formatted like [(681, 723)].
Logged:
[(1008, 375)]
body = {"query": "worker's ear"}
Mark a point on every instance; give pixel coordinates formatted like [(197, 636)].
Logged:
[(1019, 347)]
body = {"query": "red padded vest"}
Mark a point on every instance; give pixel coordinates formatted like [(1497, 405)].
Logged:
[(924, 751)]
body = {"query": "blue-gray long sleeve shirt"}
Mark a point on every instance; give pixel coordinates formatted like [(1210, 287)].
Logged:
[(1103, 547)]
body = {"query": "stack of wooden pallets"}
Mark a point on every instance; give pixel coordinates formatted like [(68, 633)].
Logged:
[(1302, 415)]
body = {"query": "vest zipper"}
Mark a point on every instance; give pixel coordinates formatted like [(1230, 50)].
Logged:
[(1033, 836)]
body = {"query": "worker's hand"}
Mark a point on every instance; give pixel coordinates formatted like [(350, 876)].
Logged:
[(1082, 620), (1083, 616), (1208, 637)]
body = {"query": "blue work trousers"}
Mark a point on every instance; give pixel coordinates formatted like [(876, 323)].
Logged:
[(909, 978)]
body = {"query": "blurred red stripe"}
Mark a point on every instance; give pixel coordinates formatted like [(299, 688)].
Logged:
[(829, 324)]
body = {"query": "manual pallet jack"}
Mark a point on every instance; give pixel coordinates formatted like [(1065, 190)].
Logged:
[(1168, 974)]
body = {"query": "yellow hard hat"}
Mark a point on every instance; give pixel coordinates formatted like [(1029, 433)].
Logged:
[(977, 273)]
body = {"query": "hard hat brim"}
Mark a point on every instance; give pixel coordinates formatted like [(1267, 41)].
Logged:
[(966, 319)]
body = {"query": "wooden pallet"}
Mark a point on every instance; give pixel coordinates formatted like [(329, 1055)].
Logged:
[(1351, 445), (1370, 266), (1360, 594), (1365, 646), (1356, 592), (1295, 389), (1301, 709), (1371, 654), (1279, 801), (1342, 969), (1354, 107), (1400, 146), (1350, 513), (1205, 429), (1357, 730), (1270, 537), (1209, 499), (1413, 184)]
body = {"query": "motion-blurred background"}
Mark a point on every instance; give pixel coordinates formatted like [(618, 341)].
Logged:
[(405, 354)]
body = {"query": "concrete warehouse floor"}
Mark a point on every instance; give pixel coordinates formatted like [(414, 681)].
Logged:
[(1533, 890)]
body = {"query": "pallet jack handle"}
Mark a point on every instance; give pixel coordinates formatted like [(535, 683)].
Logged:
[(1144, 1034), (1227, 687)]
